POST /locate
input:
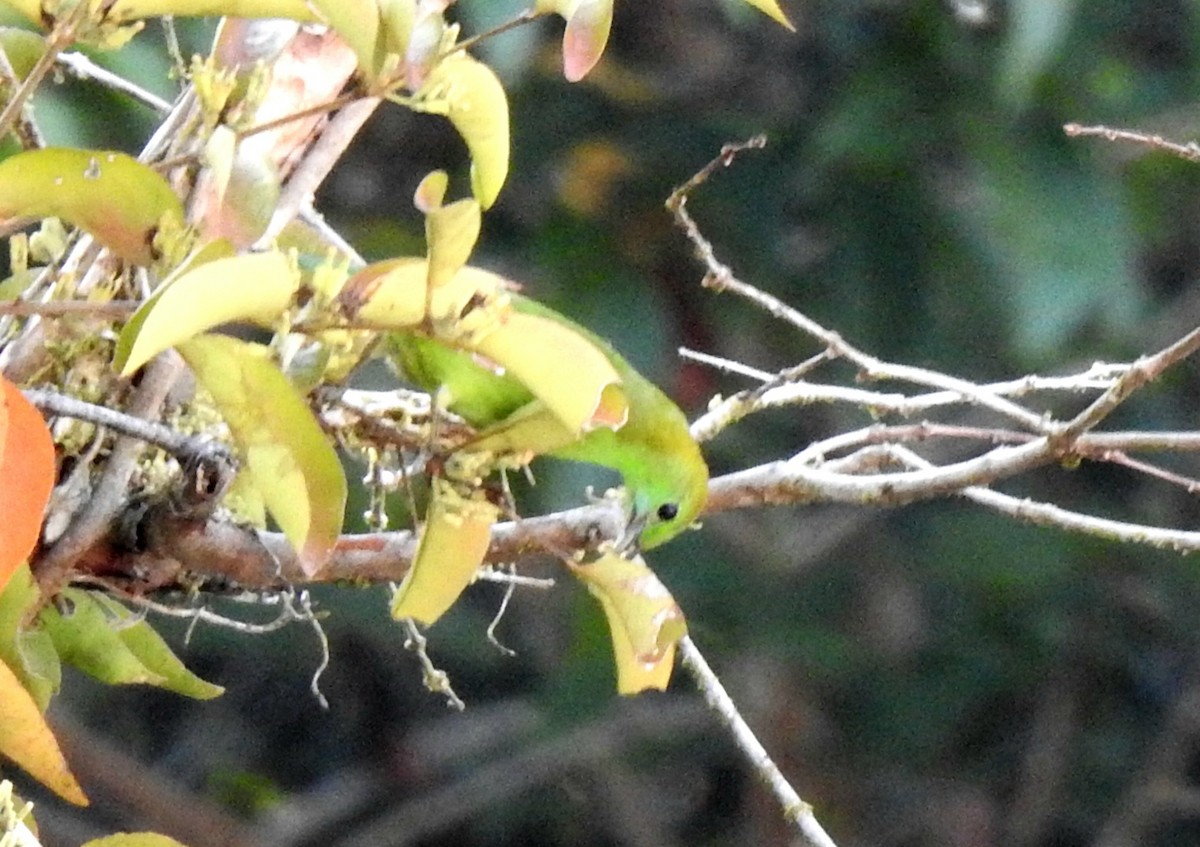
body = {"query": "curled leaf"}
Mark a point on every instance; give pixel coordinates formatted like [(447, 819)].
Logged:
[(254, 286), (453, 542), (450, 233), (561, 367), (289, 460), (27, 740), (643, 619), (112, 196), (27, 472), (468, 93)]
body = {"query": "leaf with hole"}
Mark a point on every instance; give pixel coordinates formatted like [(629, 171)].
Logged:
[(112, 196)]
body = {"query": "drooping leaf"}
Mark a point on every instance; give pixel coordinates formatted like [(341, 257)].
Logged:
[(27, 473), (85, 637), (154, 654), (27, 740), (287, 455), (771, 9), (253, 287), (643, 618), (134, 839), (28, 651), (468, 93), (110, 195), (453, 542)]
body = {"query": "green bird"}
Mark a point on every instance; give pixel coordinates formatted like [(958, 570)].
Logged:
[(661, 465)]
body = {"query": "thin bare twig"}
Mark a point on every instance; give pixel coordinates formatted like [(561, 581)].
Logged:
[(1189, 151), (795, 810)]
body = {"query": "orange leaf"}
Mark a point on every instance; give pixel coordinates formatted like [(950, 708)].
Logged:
[(26, 477), (27, 740)]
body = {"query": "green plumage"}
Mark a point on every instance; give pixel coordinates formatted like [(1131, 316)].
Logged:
[(661, 465)]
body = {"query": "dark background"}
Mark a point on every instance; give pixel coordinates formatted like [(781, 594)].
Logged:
[(933, 675)]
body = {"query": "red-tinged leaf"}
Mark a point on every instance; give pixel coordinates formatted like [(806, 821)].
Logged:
[(289, 459), (585, 37), (643, 618), (26, 478), (27, 740), (116, 198), (453, 542)]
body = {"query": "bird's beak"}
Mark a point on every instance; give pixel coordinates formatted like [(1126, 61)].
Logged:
[(629, 540)]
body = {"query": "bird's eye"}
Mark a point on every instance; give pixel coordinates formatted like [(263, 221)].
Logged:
[(668, 511)]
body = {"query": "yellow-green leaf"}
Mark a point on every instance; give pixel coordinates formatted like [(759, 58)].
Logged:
[(468, 93), (393, 295), (397, 17), (134, 839), (154, 654), (643, 618), (287, 455), (23, 48), (450, 233), (27, 740), (771, 9), (559, 366), (112, 196), (453, 542), (28, 652), (85, 637), (129, 10), (253, 287)]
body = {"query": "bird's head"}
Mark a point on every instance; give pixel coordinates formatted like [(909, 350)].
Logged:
[(667, 497)]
